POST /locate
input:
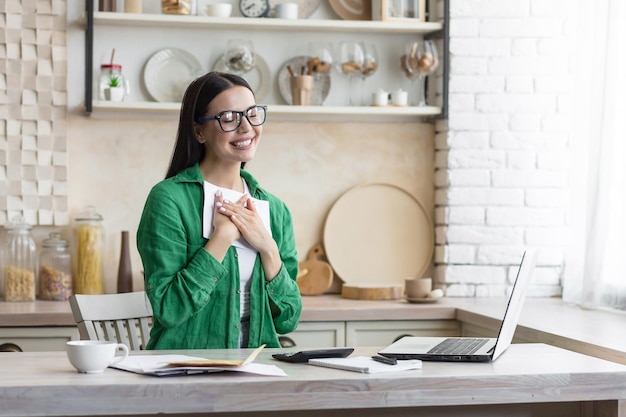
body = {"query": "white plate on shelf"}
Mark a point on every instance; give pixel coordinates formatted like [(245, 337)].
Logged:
[(321, 85), (168, 72), (259, 77)]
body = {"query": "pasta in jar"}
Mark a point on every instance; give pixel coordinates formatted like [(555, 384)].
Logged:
[(20, 284), (19, 273), (55, 276), (88, 254)]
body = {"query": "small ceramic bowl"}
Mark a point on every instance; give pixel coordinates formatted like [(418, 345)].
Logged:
[(219, 9)]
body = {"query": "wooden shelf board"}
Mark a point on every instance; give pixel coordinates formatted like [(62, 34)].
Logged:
[(276, 112), (302, 25)]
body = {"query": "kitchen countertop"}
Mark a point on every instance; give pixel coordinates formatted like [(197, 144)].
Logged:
[(315, 308), (546, 320)]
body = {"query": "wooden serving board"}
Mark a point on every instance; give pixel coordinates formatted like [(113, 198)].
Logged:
[(387, 238), (372, 292), (315, 276)]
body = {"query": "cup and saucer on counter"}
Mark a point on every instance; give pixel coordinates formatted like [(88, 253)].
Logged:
[(94, 356), (420, 290)]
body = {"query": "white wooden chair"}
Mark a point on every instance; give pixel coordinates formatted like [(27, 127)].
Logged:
[(125, 318)]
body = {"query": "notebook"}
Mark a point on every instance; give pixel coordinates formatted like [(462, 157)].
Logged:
[(469, 349), (365, 365)]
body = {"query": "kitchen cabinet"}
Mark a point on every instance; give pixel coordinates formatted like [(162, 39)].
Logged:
[(171, 28), (383, 333), (37, 339), (480, 330), (368, 333), (319, 334), (309, 334)]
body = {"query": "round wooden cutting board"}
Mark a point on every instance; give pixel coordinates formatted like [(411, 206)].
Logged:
[(372, 292), (378, 234)]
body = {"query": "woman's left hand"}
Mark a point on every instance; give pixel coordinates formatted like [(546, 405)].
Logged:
[(243, 214)]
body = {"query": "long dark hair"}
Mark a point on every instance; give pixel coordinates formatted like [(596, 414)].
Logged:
[(201, 91)]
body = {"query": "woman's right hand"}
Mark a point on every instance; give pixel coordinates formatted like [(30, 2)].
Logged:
[(222, 225), (224, 231)]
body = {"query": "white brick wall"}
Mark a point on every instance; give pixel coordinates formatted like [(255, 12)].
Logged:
[(501, 157)]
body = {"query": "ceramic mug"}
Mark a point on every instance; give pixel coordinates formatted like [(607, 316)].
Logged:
[(94, 356), (418, 287), (400, 98), (219, 9), (287, 10), (380, 98)]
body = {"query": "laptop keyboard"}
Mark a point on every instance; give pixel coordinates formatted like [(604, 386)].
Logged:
[(463, 346)]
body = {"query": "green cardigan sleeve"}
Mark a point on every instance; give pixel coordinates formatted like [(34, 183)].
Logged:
[(170, 242), (283, 292)]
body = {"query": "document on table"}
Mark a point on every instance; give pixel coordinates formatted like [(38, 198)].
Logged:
[(165, 365)]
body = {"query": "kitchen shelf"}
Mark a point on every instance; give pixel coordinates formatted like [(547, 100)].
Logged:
[(279, 112), (243, 23)]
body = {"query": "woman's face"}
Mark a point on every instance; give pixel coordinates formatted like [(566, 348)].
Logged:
[(239, 145)]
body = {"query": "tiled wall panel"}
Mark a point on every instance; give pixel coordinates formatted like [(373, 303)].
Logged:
[(33, 96)]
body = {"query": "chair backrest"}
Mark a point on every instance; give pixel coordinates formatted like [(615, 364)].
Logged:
[(125, 318)]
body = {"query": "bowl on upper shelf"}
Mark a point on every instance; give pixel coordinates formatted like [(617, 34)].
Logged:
[(219, 9)]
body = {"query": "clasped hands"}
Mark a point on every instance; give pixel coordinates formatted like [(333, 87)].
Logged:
[(240, 219)]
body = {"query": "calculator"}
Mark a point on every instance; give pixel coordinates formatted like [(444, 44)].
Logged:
[(304, 355)]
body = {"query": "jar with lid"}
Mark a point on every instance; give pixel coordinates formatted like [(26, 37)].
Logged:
[(20, 262), (88, 253), (55, 269), (113, 85)]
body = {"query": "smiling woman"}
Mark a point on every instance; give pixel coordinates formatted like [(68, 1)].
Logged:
[(218, 250)]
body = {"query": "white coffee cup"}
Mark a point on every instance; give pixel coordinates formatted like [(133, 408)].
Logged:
[(287, 10), (94, 356), (380, 98), (400, 98), (219, 9)]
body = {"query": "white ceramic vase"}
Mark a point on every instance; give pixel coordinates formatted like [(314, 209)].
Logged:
[(114, 93)]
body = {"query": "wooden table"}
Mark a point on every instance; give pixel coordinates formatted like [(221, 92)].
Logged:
[(528, 379)]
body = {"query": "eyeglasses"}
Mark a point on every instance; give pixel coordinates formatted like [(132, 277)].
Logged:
[(230, 120)]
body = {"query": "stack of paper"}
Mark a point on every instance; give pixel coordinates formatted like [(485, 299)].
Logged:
[(164, 365), (365, 365)]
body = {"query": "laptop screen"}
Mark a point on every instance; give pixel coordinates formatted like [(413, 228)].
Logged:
[(514, 307)]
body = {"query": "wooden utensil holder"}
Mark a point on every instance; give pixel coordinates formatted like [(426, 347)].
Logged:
[(301, 87)]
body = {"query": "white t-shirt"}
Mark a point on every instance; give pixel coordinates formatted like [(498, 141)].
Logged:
[(246, 254)]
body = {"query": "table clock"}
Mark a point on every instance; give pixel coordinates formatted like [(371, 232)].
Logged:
[(254, 8)]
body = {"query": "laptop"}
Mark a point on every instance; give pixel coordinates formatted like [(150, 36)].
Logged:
[(470, 349)]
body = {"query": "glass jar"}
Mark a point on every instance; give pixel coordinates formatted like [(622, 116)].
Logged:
[(88, 253), (111, 77), (20, 282), (178, 6), (55, 269)]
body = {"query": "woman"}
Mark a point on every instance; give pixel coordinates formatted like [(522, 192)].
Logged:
[(218, 251)]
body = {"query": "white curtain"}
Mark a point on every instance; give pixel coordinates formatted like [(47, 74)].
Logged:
[(595, 273)]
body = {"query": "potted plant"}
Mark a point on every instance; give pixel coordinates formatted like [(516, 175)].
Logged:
[(115, 91)]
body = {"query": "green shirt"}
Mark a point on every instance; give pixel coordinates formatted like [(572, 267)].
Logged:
[(194, 297)]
